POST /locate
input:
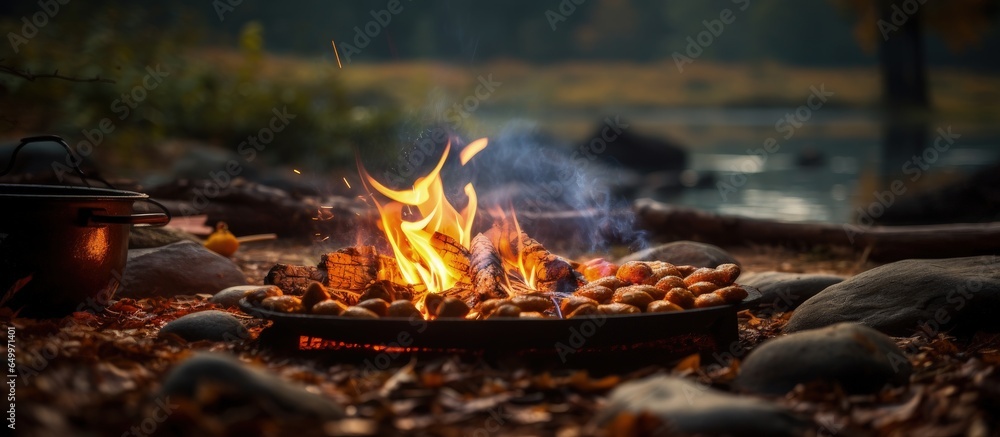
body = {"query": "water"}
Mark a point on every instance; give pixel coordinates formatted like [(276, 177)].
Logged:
[(851, 164)]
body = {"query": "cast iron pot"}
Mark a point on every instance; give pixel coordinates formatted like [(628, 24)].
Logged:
[(63, 249)]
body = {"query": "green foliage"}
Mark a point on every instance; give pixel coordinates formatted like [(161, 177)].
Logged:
[(217, 95)]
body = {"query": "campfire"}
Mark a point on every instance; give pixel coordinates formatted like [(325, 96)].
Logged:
[(432, 267)]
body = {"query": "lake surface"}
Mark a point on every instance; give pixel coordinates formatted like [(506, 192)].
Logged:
[(850, 163)]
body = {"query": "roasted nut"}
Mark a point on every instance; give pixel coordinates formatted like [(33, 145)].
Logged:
[(669, 282), (532, 303), (681, 297), (583, 310), (619, 308), (666, 270), (652, 291), (284, 304), (379, 290), (532, 315), (686, 270), (732, 293), (432, 301), (662, 306), (611, 282), (721, 277), (359, 312), (708, 300), (403, 309), (571, 303), (729, 272), (314, 294), (598, 293), (329, 308), (257, 295), (452, 307), (632, 295), (700, 288), (377, 306), (634, 272), (506, 310), (487, 307)]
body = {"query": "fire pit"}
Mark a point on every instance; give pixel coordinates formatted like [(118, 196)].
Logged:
[(437, 287)]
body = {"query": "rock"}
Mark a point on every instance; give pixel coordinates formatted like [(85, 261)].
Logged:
[(781, 291), (145, 238), (231, 296), (688, 409), (182, 268), (210, 325), (684, 253), (903, 297), (244, 385), (859, 358)]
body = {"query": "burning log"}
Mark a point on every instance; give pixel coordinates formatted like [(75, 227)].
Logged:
[(455, 257), (486, 269), (355, 268), (293, 279), (548, 272)]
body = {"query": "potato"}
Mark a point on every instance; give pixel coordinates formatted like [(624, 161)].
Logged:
[(723, 276), (611, 282), (431, 302), (619, 308), (662, 306), (681, 297), (732, 293), (532, 303), (284, 304), (452, 307), (633, 296), (329, 308), (634, 272), (359, 312), (403, 309), (708, 300), (598, 293), (729, 272), (669, 282), (377, 306), (487, 307), (583, 310), (506, 310), (571, 303), (700, 288), (532, 315), (257, 295), (314, 294)]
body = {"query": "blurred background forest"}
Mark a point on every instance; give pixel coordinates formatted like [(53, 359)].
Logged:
[(563, 68)]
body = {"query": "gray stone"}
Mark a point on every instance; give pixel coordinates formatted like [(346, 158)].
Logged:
[(145, 238), (859, 358), (688, 408), (231, 296), (905, 297), (206, 325), (687, 253), (183, 268), (242, 385), (781, 291)]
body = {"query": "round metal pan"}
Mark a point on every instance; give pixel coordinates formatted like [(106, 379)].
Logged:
[(597, 332)]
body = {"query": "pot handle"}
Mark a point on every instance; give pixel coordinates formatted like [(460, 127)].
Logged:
[(138, 220)]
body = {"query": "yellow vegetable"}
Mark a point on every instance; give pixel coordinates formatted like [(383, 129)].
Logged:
[(222, 241)]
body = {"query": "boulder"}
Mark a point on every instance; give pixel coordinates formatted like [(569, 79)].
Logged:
[(781, 291), (182, 268), (206, 325), (684, 253)]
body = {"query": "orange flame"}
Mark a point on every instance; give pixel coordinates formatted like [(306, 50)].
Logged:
[(419, 262)]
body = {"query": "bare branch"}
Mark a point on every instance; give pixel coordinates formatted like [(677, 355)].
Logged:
[(25, 74)]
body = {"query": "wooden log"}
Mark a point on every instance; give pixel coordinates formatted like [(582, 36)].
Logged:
[(486, 269), (455, 256), (351, 268), (551, 273), (882, 243)]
